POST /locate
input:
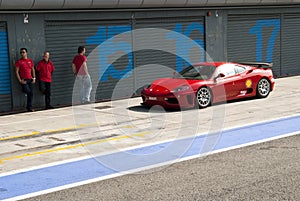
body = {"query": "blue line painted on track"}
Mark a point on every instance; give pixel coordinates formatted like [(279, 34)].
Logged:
[(102, 166)]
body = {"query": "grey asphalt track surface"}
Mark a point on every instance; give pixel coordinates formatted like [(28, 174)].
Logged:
[(264, 171)]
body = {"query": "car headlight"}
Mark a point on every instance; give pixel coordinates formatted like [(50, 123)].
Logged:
[(181, 88)]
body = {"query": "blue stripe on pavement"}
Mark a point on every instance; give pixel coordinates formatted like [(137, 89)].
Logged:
[(105, 165)]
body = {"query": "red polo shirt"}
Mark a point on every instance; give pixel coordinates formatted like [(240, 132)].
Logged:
[(25, 66), (78, 61), (45, 70)]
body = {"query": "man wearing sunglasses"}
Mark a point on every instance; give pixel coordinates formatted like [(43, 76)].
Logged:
[(26, 76)]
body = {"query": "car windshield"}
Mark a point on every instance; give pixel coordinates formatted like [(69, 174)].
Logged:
[(202, 72)]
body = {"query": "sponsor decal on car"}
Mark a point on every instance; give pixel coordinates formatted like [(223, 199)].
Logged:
[(248, 83)]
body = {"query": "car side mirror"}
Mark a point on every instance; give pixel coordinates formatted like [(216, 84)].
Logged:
[(176, 74), (220, 75), (249, 71)]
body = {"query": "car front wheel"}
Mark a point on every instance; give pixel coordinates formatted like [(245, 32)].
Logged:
[(203, 97), (263, 88)]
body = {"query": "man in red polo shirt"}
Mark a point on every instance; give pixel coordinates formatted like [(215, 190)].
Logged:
[(45, 70), (26, 76), (81, 73)]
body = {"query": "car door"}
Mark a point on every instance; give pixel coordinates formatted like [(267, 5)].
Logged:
[(226, 84), (242, 82)]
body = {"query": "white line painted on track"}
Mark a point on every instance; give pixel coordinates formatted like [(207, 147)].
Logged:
[(59, 177)]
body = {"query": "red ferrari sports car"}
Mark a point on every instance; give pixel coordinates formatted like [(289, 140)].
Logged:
[(203, 84)]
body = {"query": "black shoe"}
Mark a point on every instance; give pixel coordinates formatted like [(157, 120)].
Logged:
[(49, 107), (30, 110)]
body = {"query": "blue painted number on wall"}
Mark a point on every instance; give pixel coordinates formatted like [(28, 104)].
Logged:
[(106, 69), (258, 31), (182, 48)]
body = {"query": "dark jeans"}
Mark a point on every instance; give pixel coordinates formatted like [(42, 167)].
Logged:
[(27, 89), (45, 88)]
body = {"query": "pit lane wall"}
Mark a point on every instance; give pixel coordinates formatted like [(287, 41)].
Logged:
[(227, 30)]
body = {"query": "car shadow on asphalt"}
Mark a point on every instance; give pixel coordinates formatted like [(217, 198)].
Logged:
[(154, 109), (159, 109)]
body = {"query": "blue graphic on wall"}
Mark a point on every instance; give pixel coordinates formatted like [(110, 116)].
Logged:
[(5, 86), (106, 69), (258, 31), (106, 32), (184, 49)]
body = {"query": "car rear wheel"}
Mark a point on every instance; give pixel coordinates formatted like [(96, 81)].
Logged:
[(263, 88), (203, 97)]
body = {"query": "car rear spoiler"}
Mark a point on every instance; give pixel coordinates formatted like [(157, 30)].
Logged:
[(258, 64)]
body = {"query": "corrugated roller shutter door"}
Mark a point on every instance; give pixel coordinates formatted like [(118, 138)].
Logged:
[(5, 84), (63, 39), (158, 63), (291, 44), (254, 38)]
